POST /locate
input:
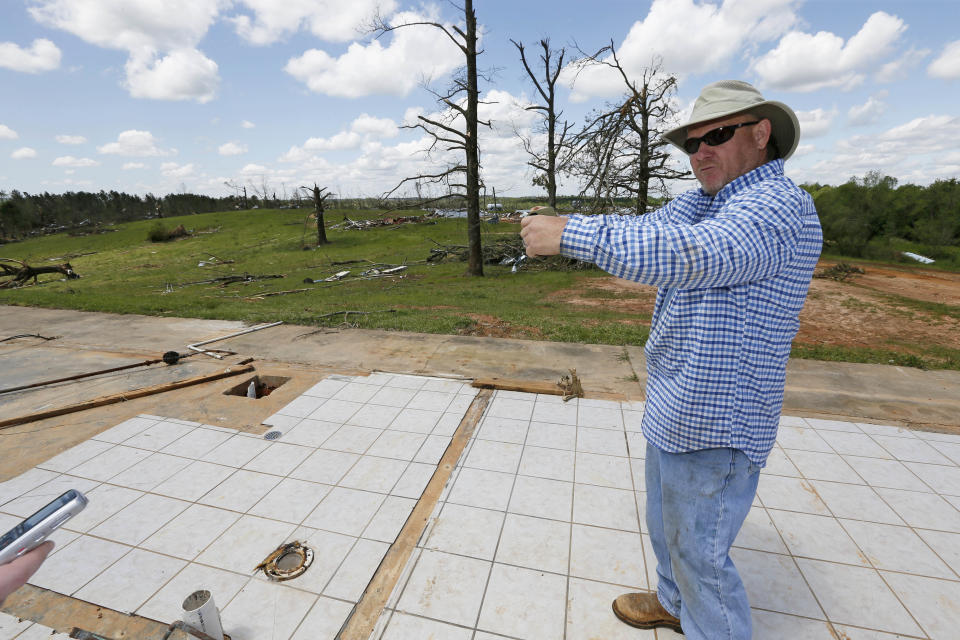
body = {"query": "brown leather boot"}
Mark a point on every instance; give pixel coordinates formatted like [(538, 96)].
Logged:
[(644, 611)]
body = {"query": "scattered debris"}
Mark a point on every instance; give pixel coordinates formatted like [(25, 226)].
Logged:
[(840, 272), (19, 275), (196, 345), (287, 561), (169, 287), (385, 221), (508, 250), (28, 335), (213, 261), (358, 313), (71, 256), (570, 385), (268, 294), (918, 257)]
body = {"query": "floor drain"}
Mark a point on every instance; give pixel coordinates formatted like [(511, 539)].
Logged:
[(272, 435)]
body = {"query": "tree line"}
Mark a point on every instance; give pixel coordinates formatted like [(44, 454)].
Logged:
[(25, 214), (872, 217)]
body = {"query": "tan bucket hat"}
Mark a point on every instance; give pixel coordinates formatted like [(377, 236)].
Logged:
[(730, 97)]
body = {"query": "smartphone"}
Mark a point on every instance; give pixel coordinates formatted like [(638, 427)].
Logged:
[(34, 530)]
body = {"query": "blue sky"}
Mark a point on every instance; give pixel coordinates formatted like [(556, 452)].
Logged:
[(168, 95)]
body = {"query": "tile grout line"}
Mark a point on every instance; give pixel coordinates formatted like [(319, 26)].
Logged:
[(842, 528)]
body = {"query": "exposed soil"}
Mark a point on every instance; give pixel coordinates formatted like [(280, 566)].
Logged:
[(487, 326), (859, 312)]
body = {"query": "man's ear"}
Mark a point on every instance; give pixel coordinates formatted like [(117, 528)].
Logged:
[(761, 133)]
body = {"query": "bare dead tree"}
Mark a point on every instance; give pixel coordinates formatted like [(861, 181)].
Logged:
[(319, 196), (620, 153), (457, 131), (545, 160)]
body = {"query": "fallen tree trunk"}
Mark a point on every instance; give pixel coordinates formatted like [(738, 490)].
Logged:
[(18, 275)]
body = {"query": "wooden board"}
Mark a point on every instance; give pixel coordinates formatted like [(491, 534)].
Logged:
[(365, 615)]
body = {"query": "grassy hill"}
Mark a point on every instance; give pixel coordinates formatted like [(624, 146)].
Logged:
[(124, 272)]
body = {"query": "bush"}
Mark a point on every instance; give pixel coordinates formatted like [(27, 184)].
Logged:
[(159, 233)]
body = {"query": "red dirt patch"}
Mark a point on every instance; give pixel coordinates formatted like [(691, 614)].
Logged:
[(855, 313)]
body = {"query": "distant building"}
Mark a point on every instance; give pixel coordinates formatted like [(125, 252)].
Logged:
[(494, 207)]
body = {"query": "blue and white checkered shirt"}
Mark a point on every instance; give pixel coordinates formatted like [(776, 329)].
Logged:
[(733, 272)]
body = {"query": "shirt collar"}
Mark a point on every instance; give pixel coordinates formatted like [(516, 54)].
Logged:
[(766, 171)]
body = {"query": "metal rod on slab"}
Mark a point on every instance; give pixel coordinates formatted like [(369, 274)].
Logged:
[(196, 345), (120, 397), (82, 375)]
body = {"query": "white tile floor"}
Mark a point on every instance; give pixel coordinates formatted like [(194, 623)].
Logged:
[(855, 532), (13, 628), (176, 506)]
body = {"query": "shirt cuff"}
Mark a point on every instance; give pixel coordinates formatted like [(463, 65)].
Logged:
[(579, 239)]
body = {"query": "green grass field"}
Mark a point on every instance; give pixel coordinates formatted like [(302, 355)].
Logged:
[(126, 273)]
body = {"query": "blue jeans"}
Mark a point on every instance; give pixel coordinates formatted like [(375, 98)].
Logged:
[(696, 504)]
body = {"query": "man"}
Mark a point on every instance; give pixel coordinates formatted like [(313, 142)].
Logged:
[(733, 261)]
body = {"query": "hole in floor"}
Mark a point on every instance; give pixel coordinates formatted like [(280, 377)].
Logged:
[(257, 387)]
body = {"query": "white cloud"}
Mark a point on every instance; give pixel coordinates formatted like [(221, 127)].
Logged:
[(42, 55), (160, 38), (415, 53), (868, 112), (135, 143), (174, 170), (929, 134), (947, 65), (690, 38), (23, 153), (232, 149), (253, 170), (899, 68), (65, 139), (6, 133), (246, 124), (70, 161), (805, 62), (331, 20), (364, 129), (184, 74), (127, 166), (815, 123)]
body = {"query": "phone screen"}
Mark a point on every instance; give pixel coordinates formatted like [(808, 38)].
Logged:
[(36, 518)]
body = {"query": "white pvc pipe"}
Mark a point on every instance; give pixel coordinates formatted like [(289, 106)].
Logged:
[(201, 613), (196, 345)]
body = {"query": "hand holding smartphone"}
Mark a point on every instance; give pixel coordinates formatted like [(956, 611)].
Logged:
[(35, 529), (22, 549)]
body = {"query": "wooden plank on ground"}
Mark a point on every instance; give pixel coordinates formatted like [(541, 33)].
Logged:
[(126, 395), (364, 618)]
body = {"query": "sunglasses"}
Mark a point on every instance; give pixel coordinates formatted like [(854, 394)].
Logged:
[(714, 137)]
